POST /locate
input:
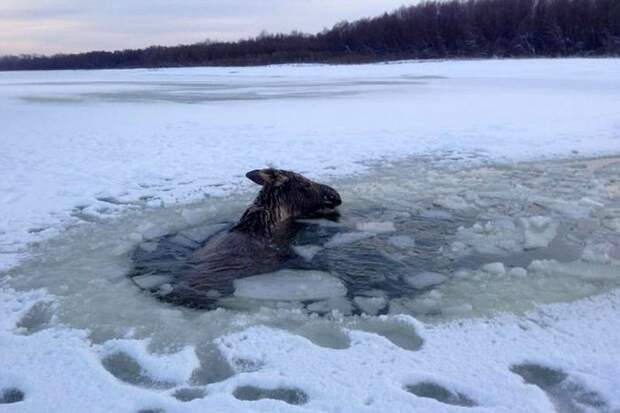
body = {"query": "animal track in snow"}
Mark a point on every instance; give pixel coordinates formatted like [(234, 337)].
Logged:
[(125, 368), (441, 394), (287, 395), (566, 395), (11, 395)]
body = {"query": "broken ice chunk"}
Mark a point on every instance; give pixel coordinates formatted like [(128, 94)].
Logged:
[(201, 233), (435, 214), (518, 272), (579, 269), (290, 285), (452, 202), (539, 231), (151, 231), (322, 222), (339, 304), (184, 241), (148, 282), (458, 310), (193, 216), (149, 246), (425, 279), (307, 252), (370, 305), (344, 238), (494, 268), (497, 237), (375, 227), (402, 241)]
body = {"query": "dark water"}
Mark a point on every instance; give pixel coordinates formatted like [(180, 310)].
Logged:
[(364, 266)]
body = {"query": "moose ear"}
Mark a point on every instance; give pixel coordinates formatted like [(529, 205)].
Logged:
[(267, 177)]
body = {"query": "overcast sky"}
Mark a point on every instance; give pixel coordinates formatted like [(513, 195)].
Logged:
[(53, 26)]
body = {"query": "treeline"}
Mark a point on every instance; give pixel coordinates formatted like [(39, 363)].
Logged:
[(434, 29)]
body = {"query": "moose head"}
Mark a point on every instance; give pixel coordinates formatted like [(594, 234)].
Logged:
[(285, 195)]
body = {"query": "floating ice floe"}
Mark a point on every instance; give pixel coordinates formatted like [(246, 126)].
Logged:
[(290, 285), (402, 241), (452, 202), (494, 268), (148, 282), (501, 236), (149, 246), (496, 237), (344, 238), (538, 231), (201, 233), (421, 305), (518, 272), (152, 231), (425, 279), (182, 240), (602, 253), (307, 252), (322, 222), (579, 269), (375, 227), (572, 209), (370, 305), (194, 216), (339, 304), (435, 214)]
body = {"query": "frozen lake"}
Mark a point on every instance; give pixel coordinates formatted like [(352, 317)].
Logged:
[(474, 263)]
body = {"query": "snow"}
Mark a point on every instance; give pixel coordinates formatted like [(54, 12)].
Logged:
[(290, 285), (95, 163)]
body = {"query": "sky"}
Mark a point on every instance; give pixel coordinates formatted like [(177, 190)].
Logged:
[(55, 26)]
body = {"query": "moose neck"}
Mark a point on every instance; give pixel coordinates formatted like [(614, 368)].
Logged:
[(266, 217)]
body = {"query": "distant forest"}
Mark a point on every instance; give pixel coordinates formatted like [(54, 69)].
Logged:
[(430, 30)]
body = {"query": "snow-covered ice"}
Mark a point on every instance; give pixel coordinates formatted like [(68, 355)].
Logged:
[(499, 176)]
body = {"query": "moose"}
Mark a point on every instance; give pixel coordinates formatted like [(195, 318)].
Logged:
[(258, 243)]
